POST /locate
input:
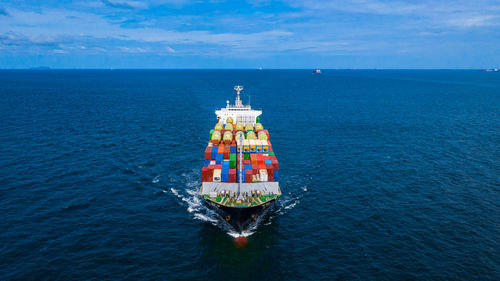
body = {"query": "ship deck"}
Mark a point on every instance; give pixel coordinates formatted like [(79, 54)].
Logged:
[(246, 203), (212, 191)]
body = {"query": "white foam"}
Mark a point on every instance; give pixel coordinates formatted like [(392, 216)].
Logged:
[(156, 179), (191, 199), (175, 192), (291, 205), (235, 234), (204, 218)]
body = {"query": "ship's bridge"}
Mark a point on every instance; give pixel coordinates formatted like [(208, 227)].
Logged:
[(239, 112)]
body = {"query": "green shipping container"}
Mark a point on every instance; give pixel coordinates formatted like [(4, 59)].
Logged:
[(232, 161), (271, 153), (211, 132), (246, 156)]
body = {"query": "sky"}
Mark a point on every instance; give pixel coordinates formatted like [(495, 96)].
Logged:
[(249, 34)]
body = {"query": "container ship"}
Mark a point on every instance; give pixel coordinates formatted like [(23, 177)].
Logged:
[(240, 173)]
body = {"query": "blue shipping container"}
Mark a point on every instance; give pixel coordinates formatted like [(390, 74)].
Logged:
[(232, 149), (207, 162), (224, 177), (275, 175), (268, 162), (219, 158), (248, 166), (213, 154)]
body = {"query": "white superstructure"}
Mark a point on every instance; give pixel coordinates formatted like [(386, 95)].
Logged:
[(240, 113)]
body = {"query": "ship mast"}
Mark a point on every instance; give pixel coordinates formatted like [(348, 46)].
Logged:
[(238, 89)]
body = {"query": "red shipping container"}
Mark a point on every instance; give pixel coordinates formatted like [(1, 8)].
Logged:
[(204, 172), (262, 167), (207, 154), (248, 175), (210, 175), (276, 166), (248, 162), (270, 175), (255, 169), (269, 169), (220, 149), (218, 166), (232, 175), (226, 152)]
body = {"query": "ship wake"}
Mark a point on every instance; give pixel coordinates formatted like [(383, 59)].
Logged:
[(188, 197)]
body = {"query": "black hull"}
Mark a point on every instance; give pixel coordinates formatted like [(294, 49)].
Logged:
[(241, 218)]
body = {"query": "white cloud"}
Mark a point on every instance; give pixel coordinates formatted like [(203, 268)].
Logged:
[(317, 27), (55, 25), (473, 21)]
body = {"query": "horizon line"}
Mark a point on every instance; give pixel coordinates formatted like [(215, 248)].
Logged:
[(228, 68)]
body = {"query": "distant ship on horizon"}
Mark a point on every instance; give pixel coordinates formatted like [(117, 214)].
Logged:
[(489, 70), (317, 71)]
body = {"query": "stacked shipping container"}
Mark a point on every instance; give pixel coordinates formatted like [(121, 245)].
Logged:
[(222, 158)]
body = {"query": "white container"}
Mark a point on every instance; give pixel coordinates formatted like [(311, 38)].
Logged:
[(263, 175), (217, 173)]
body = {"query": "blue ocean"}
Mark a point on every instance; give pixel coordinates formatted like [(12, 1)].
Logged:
[(386, 175)]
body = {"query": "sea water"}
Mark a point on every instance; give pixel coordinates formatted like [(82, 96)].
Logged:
[(386, 175)]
